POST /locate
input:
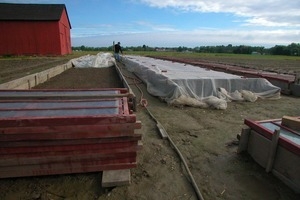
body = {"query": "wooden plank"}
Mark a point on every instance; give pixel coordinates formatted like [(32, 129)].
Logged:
[(128, 127), (258, 148), (254, 125), (62, 92), (63, 135), (85, 141), (114, 178), (67, 121), (62, 168), (43, 149), (272, 151), (56, 148), (63, 96), (56, 165), (289, 145), (243, 142), (67, 156), (132, 96), (162, 130), (70, 137), (291, 122)]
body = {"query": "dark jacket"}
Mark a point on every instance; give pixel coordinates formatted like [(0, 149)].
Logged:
[(118, 48)]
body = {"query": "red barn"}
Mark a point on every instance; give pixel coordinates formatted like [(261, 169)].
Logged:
[(34, 29)]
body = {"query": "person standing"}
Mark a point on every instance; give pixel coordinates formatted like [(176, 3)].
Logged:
[(118, 49)]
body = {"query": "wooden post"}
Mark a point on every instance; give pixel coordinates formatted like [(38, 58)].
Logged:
[(243, 143), (113, 47), (272, 154), (291, 122)]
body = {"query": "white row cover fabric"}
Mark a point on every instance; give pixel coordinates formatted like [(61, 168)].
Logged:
[(183, 84), (98, 61)]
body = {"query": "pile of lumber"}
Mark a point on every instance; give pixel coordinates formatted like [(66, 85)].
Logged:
[(45, 132), (291, 122)]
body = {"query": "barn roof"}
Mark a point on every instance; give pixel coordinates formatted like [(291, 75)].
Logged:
[(31, 12)]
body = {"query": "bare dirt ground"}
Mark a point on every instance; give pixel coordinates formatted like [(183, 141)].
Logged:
[(13, 68), (206, 138), (290, 65)]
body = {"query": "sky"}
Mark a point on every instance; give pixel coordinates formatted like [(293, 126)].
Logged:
[(174, 23)]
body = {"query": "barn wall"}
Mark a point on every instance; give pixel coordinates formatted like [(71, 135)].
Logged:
[(29, 38), (65, 35)]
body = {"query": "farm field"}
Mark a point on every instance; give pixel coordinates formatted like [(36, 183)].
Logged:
[(17, 67), (206, 138), (280, 64)]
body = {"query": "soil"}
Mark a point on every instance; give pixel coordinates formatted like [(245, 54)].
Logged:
[(289, 65), (205, 137), (17, 67)]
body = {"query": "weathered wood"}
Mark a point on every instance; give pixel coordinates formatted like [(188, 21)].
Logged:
[(64, 135), (132, 97), (67, 120), (259, 147), (68, 156), (162, 131), (106, 128), (57, 148), (64, 168), (243, 142), (282, 159), (291, 122), (54, 143), (46, 136), (114, 178), (63, 96), (272, 153)]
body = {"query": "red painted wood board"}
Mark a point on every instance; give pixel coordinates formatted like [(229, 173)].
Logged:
[(66, 168), (50, 143), (41, 136), (287, 144), (55, 148), (63, 135), (56, 92), (74, 128), (68, 121), (67, 156)]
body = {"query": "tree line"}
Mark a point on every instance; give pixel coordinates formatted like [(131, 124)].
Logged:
[(292, 49)]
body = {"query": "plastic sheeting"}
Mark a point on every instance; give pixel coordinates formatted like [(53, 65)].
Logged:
[(182, 84), (99, 60)]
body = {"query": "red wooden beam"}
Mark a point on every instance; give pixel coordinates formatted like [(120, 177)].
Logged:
[(85, 141), (67, 121), (65, 168), (67, 156), (6, 151), (74, 128)]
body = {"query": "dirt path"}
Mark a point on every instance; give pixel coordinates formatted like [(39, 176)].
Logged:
[(207, 139)]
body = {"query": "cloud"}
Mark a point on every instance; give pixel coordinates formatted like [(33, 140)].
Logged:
[(155, 27), (271, 13), (194, 38)]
